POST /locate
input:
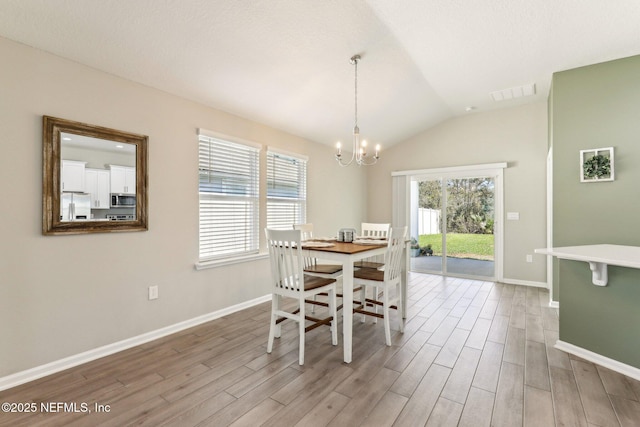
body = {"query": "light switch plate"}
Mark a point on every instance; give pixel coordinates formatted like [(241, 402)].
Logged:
[(513, 216)]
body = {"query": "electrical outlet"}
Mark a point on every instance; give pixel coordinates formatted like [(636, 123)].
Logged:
[(153, 292), (529, 258)]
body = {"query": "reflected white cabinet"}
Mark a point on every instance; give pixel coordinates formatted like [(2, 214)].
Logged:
[(123, 179), (97, 183), (72, 176)]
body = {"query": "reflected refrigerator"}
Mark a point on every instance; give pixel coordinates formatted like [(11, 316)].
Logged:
[(75, 206)]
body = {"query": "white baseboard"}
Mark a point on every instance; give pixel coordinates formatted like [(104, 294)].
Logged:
[(525, 283), (78, 359), (599, 359)]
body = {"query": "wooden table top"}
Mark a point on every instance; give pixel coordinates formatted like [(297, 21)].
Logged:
[(346, 248)]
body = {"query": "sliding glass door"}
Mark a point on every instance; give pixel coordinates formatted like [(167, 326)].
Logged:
[(468, 236), (453, 224)]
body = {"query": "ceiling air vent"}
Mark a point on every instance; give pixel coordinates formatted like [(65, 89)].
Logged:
[(514, 92)]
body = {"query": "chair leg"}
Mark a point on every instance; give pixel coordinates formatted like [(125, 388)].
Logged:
[(385, 313), (400, 306), (363, 300), (278, 308), (375, 306), (334, 312), (272, 323), (301, 327)]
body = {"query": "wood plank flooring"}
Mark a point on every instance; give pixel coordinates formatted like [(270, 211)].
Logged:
[(473, 353)]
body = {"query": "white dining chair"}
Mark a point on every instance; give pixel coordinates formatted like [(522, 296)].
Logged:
[(378, 231), (385, 280), (289, 281), (313, 268), (311, 265), (373, 231)]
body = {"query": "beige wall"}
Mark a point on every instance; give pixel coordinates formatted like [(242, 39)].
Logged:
[(63, 295), (517, 136)]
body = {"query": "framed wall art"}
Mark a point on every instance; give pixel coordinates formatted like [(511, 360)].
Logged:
[(596, 165)]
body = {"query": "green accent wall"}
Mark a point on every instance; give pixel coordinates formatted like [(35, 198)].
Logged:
[(602, 319), (595, 107)]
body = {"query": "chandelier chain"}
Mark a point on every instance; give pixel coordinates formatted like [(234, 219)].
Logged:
[(355, 61)]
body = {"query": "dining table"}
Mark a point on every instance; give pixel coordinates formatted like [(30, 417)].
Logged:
[(347, 253)]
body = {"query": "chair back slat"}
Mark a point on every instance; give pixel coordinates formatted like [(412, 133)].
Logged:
[(376, 231), (369, 229), (393, 256), (285, 255), (306, 233)]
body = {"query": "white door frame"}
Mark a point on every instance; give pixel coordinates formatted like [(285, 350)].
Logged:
[(401, 198)]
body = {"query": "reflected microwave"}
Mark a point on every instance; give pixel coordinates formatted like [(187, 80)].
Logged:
[(123, 200)]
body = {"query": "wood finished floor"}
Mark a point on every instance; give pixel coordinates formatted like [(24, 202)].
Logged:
[(473, 353)]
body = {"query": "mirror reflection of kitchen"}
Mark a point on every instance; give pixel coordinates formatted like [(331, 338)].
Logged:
[(98, 179)]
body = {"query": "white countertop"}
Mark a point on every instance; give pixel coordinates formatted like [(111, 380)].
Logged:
[(624, 256), (598, 257)]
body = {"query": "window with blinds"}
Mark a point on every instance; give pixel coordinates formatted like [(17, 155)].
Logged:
[(229, 204), (286, 190)]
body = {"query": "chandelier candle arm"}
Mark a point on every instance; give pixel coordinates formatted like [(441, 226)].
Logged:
[(359, 151)]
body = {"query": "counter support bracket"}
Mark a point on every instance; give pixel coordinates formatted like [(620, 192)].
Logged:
[(599, 273)]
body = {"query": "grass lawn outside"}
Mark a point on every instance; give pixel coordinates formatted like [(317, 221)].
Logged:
[(473, 246)]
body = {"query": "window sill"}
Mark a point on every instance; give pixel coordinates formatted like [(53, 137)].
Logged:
[(203, 265)]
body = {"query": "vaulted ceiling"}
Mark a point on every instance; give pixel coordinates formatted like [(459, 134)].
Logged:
[(285, 63)]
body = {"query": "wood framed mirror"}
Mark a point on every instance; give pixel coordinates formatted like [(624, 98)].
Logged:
[(94, 179)]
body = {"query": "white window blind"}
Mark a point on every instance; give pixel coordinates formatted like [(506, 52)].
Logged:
[(286, 190), (229, 204)]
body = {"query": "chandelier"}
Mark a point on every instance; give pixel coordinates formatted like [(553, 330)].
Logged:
[(359, 152)]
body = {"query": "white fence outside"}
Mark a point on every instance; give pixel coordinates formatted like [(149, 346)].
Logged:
[(422, 221), (428, 221)]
